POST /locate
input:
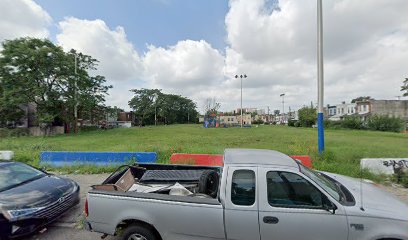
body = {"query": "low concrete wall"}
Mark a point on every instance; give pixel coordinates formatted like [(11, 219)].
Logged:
[(59, 159), (38, 131), (6, 155)]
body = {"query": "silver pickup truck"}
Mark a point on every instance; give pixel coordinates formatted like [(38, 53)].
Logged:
[(258, 194)]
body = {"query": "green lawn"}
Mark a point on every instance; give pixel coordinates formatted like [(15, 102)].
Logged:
[(344, 148)]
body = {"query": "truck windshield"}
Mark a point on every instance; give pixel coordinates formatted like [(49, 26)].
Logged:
[(328, 186)]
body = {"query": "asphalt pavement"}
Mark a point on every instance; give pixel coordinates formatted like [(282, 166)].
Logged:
[(68, 227)]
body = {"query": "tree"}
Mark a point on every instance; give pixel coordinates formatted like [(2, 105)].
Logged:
[(211, 106), (362, 98), (37, 71), (405, 87), (169, 108), (144, 103), (10, 110), (307, 116)]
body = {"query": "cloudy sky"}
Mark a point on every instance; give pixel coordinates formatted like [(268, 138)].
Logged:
[(195, 48)]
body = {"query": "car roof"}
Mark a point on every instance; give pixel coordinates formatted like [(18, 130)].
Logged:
[(258, 157)]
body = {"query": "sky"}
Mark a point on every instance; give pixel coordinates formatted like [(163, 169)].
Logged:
[(195, 48)]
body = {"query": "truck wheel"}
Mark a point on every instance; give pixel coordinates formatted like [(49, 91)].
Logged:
[(208, 184), (137, 232)]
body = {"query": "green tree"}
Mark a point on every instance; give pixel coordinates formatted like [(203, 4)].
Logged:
[(144, 103), (307, 116), (169, 108), (37, 71), (211, 106), (405, 87)]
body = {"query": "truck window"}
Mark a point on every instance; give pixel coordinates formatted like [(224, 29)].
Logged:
[(292, 191), (243, 188)]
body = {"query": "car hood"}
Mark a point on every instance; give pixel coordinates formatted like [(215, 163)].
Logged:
[(38, 193), (376, 202)]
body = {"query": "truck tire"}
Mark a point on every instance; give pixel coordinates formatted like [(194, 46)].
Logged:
[(137, 232), (208, 184)]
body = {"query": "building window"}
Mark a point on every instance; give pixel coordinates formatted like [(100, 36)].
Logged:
[(243, 188)]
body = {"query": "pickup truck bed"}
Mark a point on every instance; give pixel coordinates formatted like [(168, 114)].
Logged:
[(165, 207)]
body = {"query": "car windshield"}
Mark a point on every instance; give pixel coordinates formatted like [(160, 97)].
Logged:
[(14, 174), (323, 182)]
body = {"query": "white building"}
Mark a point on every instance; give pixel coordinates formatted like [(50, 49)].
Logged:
[(247, 119), (343, 109), (231, 120)]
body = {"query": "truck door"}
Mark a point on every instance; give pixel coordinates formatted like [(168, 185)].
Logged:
[(291, 207), (241, 204)]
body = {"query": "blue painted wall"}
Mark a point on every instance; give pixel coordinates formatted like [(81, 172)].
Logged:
[(59, 159)]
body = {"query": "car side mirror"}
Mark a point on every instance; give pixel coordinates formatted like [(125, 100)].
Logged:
[(328, 205)]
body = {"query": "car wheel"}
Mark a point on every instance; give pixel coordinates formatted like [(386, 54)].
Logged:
[(137, 232)]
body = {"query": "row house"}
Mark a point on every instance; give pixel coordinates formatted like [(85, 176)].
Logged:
[(364, 109)]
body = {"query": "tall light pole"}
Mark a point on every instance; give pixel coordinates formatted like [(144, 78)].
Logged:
[(283, 107), (320, 76), (155, 108), (241, 76), (75, 98)]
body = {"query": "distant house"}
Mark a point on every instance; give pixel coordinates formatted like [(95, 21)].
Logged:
[(341, 110), (246, 120), (365, 109), (229, 120), (391, 108)]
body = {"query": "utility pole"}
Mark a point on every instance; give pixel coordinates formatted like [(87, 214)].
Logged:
[(75, 98), (283, 107), (241, 76), (320, 76)]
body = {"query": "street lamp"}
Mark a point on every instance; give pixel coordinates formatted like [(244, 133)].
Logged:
[(241, 76), (155, 96), (75, 97), (283, 107)]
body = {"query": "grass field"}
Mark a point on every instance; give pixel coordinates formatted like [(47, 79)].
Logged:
[(344, 148)]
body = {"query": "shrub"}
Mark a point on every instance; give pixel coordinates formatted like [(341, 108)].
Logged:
[(307, 116), (259, 121), (14, 132), (386, 123), (88, 128), (352, 122), (291, 123), (332, 124), (404, 179)]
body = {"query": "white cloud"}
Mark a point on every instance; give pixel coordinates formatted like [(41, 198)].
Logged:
[(184, 67), (22, 18), (179, 69), (119, 61), (366, 49)]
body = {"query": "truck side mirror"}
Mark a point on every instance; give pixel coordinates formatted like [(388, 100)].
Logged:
[(328, 205)]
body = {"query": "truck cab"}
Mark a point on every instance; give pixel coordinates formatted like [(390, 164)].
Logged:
[(260, 194)]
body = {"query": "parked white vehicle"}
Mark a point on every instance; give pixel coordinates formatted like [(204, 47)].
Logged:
[(258, 194)]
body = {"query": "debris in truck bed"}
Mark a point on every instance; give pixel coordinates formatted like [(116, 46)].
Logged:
[(171, 175)]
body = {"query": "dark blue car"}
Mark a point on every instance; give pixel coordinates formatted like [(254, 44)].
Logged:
[(31, 198)]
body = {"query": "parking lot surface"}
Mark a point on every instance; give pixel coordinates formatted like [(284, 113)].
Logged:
[(68, 227)]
